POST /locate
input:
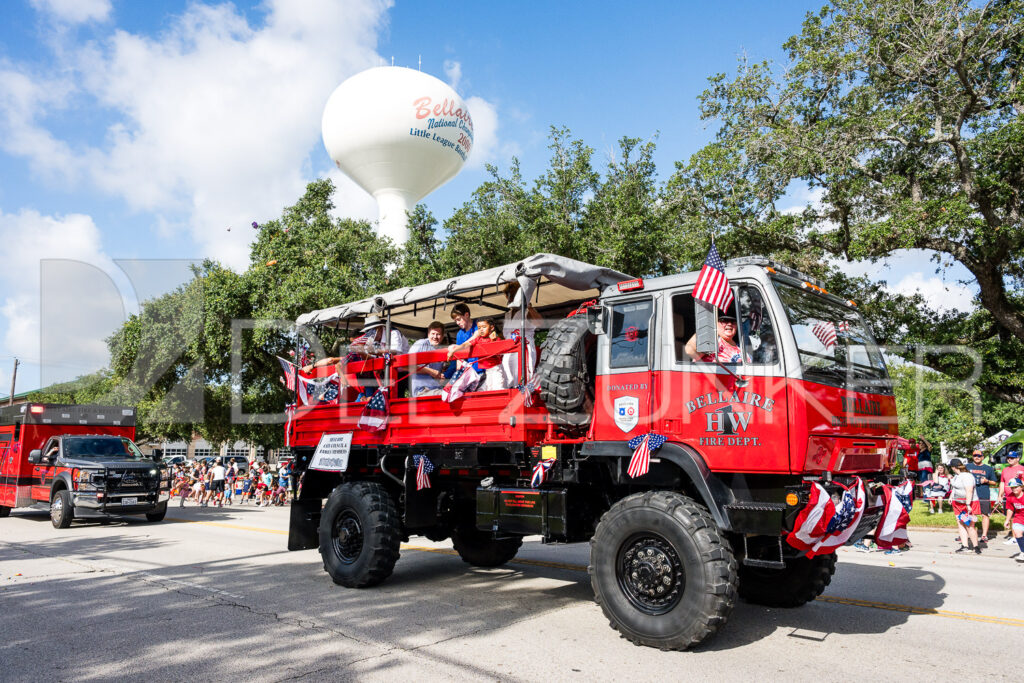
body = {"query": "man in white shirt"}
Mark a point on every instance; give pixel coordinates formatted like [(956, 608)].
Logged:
[(217, 475)]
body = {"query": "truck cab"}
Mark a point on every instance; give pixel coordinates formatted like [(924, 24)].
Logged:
[(80, 461)]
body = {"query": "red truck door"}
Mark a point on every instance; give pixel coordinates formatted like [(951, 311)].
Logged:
[(622, 399)]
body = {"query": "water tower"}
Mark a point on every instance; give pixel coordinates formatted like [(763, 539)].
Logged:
[(399, 134)]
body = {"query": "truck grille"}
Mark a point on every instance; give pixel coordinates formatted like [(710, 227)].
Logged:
[(129, 480)]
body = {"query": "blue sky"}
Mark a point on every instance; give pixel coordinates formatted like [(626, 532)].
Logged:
[(132, 134)]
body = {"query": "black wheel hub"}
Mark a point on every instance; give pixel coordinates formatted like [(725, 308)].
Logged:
[(348, 536), (650, 574)]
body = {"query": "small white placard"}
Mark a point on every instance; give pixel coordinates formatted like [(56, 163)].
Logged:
[(331, 453)]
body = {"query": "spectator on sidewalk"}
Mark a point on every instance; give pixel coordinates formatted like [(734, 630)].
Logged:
[(1013, 470), (984, 478), (217, 475), (924, 462), (965, 506), (937, 489), (1014, 501)]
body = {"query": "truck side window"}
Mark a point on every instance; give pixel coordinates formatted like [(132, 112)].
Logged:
[(756, 332), (630, 322), (683, 325)]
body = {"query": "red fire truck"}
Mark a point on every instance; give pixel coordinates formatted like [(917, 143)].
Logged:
[(79, 460), (806, 402)]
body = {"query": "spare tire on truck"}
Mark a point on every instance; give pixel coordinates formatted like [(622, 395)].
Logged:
[(567, 363)]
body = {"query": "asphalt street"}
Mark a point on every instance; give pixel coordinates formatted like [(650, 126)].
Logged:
[(212, 594)]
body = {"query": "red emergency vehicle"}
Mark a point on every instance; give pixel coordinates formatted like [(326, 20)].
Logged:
[(80, 461), (806, 400)]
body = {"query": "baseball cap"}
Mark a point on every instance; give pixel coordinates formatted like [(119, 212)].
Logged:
[(726, 318), (1015, 482), (956, 462), (1013, 455)]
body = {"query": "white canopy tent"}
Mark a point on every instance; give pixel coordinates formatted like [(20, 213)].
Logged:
[(544, 280)]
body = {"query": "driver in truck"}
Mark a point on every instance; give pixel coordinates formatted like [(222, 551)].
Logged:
[(728, 349)]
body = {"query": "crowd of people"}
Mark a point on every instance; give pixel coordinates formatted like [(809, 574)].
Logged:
[(211, 482)]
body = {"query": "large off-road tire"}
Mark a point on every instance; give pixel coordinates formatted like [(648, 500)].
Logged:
[(661, 570), (564, 372), (359, 534), (4, 511), (62, 511), (158, 514), (482, 549), (800, 582)]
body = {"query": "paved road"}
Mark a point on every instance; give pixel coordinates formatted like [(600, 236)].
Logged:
[(212, 594)]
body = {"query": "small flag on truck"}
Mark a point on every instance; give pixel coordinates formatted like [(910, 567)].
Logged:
[(712, 285)]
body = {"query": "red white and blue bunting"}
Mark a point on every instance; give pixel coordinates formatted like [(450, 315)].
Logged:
[(642, 447)]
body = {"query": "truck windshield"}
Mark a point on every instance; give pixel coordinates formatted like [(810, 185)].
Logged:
[(101, 447), (835, 345)]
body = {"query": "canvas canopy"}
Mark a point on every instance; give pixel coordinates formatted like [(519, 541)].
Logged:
[(544, 280)]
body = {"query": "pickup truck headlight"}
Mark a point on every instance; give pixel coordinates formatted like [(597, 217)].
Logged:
[(84, 480)]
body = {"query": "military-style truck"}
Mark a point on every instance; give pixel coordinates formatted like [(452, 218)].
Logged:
[(807, 401)]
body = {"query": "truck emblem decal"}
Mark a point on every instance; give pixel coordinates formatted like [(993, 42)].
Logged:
[(627, 412)]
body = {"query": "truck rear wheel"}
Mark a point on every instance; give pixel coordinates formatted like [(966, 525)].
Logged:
[(359, 534), (482, 549), (158, 514), (661, 570), (61, 509), (803, 580), (564, 372), (5, 511)]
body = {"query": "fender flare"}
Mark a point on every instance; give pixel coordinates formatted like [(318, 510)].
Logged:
[(714, 494), (62, 480)]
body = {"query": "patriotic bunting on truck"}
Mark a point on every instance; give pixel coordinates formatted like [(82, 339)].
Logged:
[(822, 526)]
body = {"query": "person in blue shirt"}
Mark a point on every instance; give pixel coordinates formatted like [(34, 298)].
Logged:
[(467, 328)]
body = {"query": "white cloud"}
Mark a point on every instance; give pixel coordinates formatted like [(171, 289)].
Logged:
[(83, 304), (488, 148), (74, 11), (453, 71), (939, 295)]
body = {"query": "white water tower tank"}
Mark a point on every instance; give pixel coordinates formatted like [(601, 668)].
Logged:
[(399, 134)]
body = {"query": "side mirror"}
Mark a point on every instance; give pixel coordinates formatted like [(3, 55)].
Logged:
[(35, 456), (705, 318), (597, 320)]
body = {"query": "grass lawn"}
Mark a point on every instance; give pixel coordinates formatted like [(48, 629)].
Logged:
[(919, 517)]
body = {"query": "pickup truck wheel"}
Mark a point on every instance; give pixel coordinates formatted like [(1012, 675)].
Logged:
[(482, 549), (61, 509), (359, 534), (158, 514), (5, 511), (803, 580), (564, 372), (661, 570)]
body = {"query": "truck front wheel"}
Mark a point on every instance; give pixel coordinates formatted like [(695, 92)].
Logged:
[(158, 513), (800, 582), (359, 534), (661, 570), (482, 549), (61, 509)]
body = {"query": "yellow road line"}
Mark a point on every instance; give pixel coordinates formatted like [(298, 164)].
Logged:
[(838, 600)]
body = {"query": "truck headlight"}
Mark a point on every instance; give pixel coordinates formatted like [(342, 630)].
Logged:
[(84, 480)]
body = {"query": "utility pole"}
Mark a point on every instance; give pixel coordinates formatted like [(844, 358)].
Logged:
[(14, 378)]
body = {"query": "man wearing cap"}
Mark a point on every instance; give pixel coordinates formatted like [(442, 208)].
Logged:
[(1013, 470), (728, 350), (984, 477)]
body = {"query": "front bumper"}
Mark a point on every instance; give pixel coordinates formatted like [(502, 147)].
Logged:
[(120, 503)]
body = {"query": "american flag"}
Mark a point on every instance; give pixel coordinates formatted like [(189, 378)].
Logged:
[(540, 472), (643, 446), (826, 332), (712, 285), (821, 526), (892, 527), (845, 512), (527, 391), (289, 373), (423, 469), (375, 412), (314, 391)]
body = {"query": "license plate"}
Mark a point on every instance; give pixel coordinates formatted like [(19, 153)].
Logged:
[(129, 501)]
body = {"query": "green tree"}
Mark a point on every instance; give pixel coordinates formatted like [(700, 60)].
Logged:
[(932, 406), (905, 117)]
